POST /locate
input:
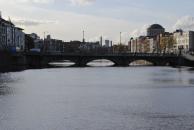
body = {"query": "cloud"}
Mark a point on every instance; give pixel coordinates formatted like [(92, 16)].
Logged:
[(82, 2), (185, 23), (140, 32), (25, 22), (34, 1)]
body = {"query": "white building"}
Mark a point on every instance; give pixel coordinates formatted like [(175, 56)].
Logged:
[(184, 40)]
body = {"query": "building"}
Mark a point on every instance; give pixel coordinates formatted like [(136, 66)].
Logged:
[(90, 46), (107, 43), (155, 30), (29, 42), (53, 45), (167, 42), (142, 44), (11, 36), (19, 39), (37, 41), (3, 34), (184, 40)]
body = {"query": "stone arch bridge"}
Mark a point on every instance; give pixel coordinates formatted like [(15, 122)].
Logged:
[(124, 59)]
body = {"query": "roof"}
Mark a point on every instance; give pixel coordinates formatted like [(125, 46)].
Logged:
[(6, 22), (156, 26)]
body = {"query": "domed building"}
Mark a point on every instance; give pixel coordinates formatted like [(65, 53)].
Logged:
[(155, 30)]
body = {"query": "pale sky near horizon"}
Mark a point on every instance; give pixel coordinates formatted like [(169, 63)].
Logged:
[(65, 19)]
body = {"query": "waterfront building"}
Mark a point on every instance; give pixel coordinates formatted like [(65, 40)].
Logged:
[(184, 40), (11, 36), (142, 44), (167, 42), (154, 32), (3, 34), (19, 39)]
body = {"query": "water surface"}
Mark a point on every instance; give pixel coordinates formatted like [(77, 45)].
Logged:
[(98, 98)]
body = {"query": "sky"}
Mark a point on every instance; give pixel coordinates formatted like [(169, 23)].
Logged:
[(66, 19)]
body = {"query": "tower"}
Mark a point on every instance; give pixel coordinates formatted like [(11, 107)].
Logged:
[(83, 36), (101, 41)]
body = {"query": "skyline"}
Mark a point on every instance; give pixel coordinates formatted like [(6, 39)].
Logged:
[(66, 19)]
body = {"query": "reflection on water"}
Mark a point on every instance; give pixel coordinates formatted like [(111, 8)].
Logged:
[(100, 63), (64, 63), (4, 80), (98, 98)]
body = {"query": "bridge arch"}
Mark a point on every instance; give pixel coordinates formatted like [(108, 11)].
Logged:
[(100, 62), (87, 61), (61, 63), (143, 61), (140, 62)]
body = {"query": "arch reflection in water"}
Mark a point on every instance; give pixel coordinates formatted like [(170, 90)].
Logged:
[(100, 63), (141, 63), (64, 63)]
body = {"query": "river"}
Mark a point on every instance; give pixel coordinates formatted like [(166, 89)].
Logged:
[(98, 98)]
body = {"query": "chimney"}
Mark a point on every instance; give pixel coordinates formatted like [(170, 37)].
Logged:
[(0, 15)]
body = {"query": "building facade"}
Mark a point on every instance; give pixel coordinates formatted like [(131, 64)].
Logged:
[(167, 42), (11, 37), (184, 41), (142, 44)]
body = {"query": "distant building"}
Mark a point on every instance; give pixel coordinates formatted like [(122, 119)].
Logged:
[(141, 44), (184, 40), (29, 43), (90, 46), (107, 43), (53, 45), (38, 43), (155, 30), (167, 42)]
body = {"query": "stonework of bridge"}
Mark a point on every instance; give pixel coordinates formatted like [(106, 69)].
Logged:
[(122, 60)]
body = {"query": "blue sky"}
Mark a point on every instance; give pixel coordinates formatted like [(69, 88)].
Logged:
[(65, 19)]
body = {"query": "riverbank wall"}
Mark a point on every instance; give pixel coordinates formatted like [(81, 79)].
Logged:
[(11, 62)]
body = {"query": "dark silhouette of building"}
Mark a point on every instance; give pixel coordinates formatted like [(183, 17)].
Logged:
[(155, 30)]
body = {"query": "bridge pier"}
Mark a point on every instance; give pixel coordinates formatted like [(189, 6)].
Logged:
[(37, 61), (80, 62)]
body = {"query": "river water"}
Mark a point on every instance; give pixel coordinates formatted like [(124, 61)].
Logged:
[(98, 98)]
